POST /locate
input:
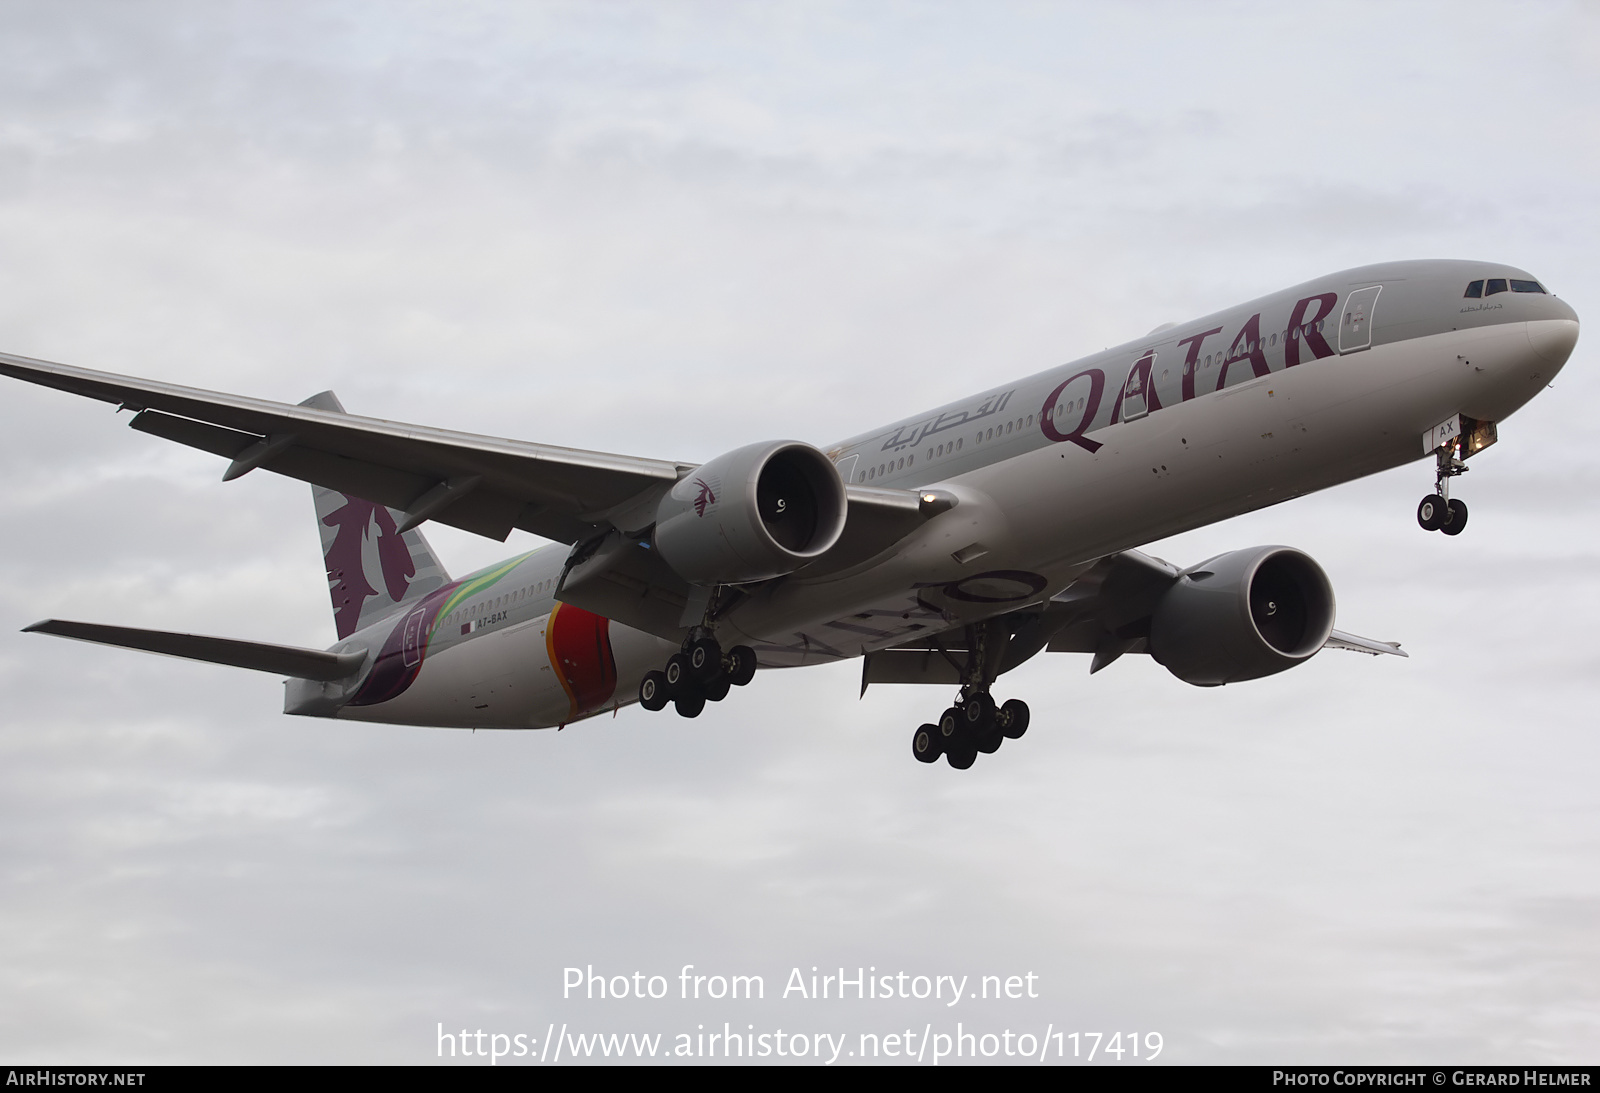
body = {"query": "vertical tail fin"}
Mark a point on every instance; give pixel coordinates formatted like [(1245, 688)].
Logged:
[(373, 567)]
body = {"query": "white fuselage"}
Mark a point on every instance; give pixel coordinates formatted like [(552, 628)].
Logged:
[(1036, 506)]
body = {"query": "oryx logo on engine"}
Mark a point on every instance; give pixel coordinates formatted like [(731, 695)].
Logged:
[(706, 498)]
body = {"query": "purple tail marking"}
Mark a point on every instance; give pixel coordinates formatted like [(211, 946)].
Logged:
[(402, 654), (347, 575)]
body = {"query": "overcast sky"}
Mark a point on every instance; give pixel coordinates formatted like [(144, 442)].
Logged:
[(671, 229)]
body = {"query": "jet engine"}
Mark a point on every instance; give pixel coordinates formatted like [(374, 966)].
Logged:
[(754, 513), (1242, 615)]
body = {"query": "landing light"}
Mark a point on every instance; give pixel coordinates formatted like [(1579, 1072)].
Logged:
[(933, 502)]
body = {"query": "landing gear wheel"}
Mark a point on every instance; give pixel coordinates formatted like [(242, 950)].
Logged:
[(952, 728), (740, 665), (704, 658), (1014, 718), (1432, 512), (1458, 518), (717, 689), (677, 674), (961, 758), (926, 744), (956, 739), (690, 705), (978, 711), (653, 691), (989, 737)]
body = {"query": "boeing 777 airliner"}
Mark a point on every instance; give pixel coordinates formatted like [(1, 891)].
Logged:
[(944, 548)]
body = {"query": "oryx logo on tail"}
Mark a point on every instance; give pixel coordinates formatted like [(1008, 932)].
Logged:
[(367, 558)]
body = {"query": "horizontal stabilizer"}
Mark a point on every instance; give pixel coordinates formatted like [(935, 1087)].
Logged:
[(283, 660)]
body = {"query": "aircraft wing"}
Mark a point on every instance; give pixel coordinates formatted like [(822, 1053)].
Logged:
[(1106, 612), (485, 485), (1357, 644), (482, 484)]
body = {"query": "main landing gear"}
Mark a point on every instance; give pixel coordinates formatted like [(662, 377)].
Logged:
[(700, 673), (974, 724), (1437, 511)]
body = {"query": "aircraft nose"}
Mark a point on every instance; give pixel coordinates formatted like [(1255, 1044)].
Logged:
[(1553, 339)]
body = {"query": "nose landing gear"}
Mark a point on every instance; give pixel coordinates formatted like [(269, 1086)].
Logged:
[(1452, 442), (1438, 511)]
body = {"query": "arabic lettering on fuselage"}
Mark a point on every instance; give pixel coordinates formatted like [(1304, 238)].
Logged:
[(908, 435), (1076, 401), (1481, 307)]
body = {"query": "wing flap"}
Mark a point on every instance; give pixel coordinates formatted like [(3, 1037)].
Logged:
[(283, 660), (482, 512), (908, 666), (196, 434)]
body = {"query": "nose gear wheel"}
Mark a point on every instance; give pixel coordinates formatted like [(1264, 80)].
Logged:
[(1432, 511)]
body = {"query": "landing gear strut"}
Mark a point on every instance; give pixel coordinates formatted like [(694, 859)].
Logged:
[(699, 673), (974, 724), (1438, 511)]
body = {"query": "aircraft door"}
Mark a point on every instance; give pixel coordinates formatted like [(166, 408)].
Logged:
[(1135, 400), (1355, 326), (411, 651)]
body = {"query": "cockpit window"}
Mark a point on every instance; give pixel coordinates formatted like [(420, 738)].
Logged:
[(1474, 290), (1527, 286), (1496, 284)]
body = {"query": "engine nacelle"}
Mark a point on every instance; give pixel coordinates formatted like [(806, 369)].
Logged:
[(1242, 615), (754, 513)]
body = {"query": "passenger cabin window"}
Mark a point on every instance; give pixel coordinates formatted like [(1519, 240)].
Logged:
[(1494, 285), (1528, 286), (1474, 291)]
